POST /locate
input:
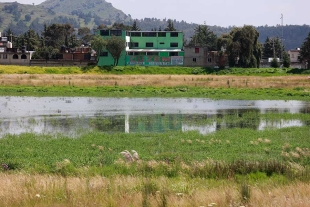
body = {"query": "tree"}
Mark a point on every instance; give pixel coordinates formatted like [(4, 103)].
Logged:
[(45, 53), (56, 35), (273, 48), (120, 26), (305, 51), (85, 34), (243, 50), (286, 60), (134, 26), (27, 17), (98, 44), (115, 45), (170, 26), (275, 63), (30, 39), (204, 37)]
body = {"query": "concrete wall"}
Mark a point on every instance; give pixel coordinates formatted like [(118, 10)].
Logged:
[(15, 58), (195, 56)]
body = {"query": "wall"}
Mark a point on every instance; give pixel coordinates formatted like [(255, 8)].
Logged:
[(195, 56), (15, 58)]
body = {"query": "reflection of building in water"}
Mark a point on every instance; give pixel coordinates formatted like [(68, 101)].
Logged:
[(204, 124), (155, 123), (278, 124)]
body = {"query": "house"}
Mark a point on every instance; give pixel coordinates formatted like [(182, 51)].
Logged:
[(295, 59), (195, 56), (201, 57), (13, 56), (147, 48)]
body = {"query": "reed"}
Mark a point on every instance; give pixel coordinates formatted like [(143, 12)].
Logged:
[(50, 190)]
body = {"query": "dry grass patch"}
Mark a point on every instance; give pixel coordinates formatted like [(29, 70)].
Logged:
[(154, 80), (46, 190)]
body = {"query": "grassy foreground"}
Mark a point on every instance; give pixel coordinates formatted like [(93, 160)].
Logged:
[(234, 167), (230, 168)]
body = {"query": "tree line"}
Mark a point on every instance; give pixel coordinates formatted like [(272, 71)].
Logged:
[(241, 45)]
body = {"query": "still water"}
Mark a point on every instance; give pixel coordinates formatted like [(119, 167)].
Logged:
[(72, 116)]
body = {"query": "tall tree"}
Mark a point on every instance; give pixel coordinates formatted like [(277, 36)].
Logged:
[(98, 44), (115, 45), (134, 26), (170, 26), (85, 34), (286, 60), (273, 48), (204, 37), (305, 51), (244, 49), (55, 35)]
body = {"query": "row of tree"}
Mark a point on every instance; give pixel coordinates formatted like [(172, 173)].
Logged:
[(241, 44)]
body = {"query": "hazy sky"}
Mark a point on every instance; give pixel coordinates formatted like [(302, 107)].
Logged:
[(216, 12)]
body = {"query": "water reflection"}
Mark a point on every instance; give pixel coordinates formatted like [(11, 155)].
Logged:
[(72, 116)]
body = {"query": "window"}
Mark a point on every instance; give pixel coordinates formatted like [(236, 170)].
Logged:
[(209, 60), (162, 34), (5, 56), (161, 43), (149, 44), (15, 56), (23, 56), (174, 44), (116, 32), (104, 54), (174, 34), (0, 56), (130, 53), (135, 34), (194, 60), (140, 53), (134, 44), (152, 53), (104, 32), (197, 50), (149, 34), (173, 54)]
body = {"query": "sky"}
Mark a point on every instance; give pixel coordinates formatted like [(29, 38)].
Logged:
[(217, 12)]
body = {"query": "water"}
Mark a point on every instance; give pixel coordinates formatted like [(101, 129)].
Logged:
[(72, 116)]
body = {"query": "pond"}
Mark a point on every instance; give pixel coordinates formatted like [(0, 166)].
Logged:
[(72, 116)]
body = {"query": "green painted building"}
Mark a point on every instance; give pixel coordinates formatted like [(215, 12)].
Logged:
[(148, 48)]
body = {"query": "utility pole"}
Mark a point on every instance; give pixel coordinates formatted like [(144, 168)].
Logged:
[(282, 26), (282, 34)]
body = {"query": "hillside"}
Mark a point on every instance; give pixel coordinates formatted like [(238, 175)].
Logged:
[(88, 10), (91, 13)]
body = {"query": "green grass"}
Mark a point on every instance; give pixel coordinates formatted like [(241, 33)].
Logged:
[(150, 70), (224, 153), (141, 91)]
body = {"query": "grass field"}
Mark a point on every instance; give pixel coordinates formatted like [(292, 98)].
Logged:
[(232, 167)]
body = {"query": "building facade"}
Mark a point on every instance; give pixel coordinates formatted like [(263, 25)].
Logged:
[(12, 56), (201, 57), (147, 48), (295, 59)]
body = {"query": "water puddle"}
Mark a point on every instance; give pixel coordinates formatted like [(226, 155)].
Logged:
[(72, 116)]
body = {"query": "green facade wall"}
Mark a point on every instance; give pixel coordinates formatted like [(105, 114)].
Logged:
[(168, 49), (158, 42), (108, 60)]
